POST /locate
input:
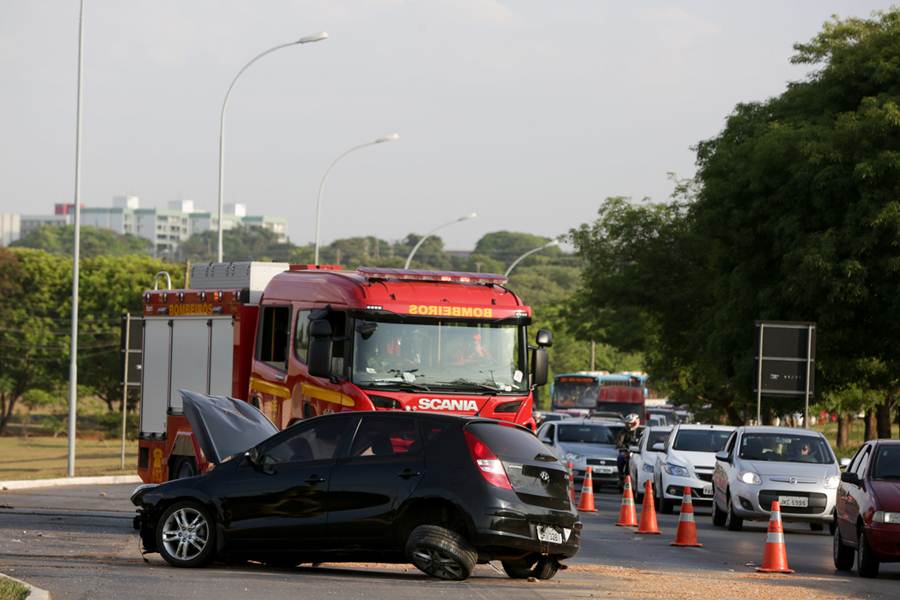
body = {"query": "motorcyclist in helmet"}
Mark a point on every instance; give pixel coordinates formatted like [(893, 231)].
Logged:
[(626, 438)]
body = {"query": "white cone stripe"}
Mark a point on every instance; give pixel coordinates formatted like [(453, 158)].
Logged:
[(774, 538), (776, 516), (686, 517), (627, 502)]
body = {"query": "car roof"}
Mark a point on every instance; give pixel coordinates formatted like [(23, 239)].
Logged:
[(592, 421), (659, 428), (781, 430)]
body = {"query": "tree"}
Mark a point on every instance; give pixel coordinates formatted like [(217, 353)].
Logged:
[(95, 241), (239, 243)]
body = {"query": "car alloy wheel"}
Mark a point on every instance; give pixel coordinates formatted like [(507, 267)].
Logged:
[(440, 552), (184, 535), (438, 563)]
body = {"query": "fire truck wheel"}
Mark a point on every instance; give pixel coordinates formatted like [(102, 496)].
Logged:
[(185, 536), (183, 467)]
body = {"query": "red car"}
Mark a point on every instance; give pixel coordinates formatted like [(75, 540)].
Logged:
[(868, 509)]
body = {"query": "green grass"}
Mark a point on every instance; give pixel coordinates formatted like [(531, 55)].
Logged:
[(857, 434), (42, 457), (11, 590)]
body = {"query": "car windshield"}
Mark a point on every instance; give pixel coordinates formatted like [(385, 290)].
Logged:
[(887, 463), (700, 440), (588, 433), (473, 356), (778, 447)]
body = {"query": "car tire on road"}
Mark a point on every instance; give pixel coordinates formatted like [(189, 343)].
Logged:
[(718, 517), (539, 567), (666, 507), (866, 563), (440, 552), (732, 521), (842, 554), (185, 535)]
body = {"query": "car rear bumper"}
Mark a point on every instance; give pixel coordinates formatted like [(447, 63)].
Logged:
[(884, 540), (503, 532)]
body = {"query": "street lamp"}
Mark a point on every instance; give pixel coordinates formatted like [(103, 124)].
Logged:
[(427, 235), (308, 39), (391, 137), (549, 244)]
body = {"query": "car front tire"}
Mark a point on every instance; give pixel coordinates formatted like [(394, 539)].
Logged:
[(866, 563), (718, 517), (185, 535), (732, 521), (842, 554), (440, 552)]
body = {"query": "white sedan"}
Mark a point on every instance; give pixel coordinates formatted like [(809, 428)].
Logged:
[(643, 457), (688, 458)]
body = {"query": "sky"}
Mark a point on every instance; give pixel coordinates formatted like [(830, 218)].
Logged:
[(530, 112)]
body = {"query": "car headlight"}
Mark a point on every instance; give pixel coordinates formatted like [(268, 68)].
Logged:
[(881, 516), (647, 468), (676, 470), (832, 482), (750, 477), (572, 456)]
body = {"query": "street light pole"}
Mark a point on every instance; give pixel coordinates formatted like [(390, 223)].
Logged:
[(76, 251), (317, 37), (391, 137), (529, 253), (428, 235)]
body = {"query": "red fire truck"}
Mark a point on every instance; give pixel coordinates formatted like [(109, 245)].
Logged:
[(301, 340)]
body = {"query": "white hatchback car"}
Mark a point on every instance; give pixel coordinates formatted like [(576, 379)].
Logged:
[(643, 457), (761, 464), (688, 458)]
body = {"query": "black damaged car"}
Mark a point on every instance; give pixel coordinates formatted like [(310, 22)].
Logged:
[(442, 492)]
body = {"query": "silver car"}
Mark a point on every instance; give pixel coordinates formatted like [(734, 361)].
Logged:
[(587, 443), (761, 464)]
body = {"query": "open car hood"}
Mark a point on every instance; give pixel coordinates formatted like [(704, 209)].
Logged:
[(225, 426)]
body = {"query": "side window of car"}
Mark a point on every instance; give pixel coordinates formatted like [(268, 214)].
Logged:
[(385, 436), (272, 338), (301, 335), (316, 441), (729, 447), (550, 433), (863, 463)]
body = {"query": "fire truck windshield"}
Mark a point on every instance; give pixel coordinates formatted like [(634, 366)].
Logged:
[(467, 356)]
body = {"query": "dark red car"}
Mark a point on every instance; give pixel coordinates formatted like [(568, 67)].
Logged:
[(868, 509)]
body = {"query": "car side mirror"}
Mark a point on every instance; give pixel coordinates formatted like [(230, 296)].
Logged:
[(851, 478), (539, 367), (320, 348), (723, 456), (544, 338), (659, 447)]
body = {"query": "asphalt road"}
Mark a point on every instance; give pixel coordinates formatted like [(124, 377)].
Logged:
[(78, 543)]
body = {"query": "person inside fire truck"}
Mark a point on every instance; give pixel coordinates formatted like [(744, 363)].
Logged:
[(467, 349)]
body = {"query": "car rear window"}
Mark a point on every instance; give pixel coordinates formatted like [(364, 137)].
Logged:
[(509, 442)]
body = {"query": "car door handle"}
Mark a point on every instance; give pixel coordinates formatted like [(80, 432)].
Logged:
[(408, 474), (314, 479)]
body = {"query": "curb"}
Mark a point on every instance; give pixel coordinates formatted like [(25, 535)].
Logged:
[(34, 593), (26, 484)]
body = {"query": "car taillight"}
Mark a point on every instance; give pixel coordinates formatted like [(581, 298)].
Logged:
[(487, 462)]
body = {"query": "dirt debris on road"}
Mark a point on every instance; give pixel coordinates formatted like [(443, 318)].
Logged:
[(627, 582)]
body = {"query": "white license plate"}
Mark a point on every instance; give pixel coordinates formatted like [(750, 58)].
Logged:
[(795, 501), (549, 533), (707, 490), (604, 470)]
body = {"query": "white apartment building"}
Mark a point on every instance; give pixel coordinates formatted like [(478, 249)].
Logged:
[(10, 228)]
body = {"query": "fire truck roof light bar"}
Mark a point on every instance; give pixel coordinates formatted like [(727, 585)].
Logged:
[(419, 275)]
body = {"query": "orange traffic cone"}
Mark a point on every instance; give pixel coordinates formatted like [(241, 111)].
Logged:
[(648, 512), (627, 514), (775, 554), (571, 482), (687, 527), (586, 504)]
